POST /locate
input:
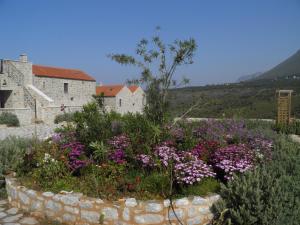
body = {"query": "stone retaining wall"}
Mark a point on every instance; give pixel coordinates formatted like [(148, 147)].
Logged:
[(75, 208)]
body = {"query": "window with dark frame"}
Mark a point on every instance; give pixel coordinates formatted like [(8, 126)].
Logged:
[(120, 102), (66, 88)]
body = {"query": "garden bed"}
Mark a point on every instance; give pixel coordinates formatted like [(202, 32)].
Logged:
[(111, 157)]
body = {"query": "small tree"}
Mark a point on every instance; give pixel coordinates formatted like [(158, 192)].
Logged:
[(158, 63)]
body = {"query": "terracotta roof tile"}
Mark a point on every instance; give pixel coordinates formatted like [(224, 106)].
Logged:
[(55, 72), (109, 90), (133, 88)]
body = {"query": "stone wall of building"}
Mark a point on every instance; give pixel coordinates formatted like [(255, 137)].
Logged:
[(138, 100), (110, 103), (124, 96), (75, 208), (79, 92), (16, 96), (48, 114)]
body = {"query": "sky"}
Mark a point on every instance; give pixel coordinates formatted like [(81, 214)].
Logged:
[(234, 37)]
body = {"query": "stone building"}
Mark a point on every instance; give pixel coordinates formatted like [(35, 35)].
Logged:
[(38, 93), (122, 99), (35, 92)]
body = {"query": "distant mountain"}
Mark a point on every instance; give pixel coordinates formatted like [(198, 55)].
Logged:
[(289, 67), (249, 77)]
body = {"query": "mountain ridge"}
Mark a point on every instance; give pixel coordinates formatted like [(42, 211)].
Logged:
[(288, 67)]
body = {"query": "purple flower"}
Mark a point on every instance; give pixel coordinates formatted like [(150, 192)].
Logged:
[(118, 156), (233, 159), (146, 160), (190, 170), (119, 142), (56, 138), (76, 152), (166, 153)]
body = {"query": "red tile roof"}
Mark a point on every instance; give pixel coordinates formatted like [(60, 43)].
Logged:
[(55, 72), (109, 90), (133, 88)]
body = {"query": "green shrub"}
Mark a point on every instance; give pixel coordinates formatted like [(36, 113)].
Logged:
[(66, 117), (53, 175), (156, 183), (93, 125), (9, 119), (12, 151), (292, 128), (142, 132), (206, 186), (269, 194)]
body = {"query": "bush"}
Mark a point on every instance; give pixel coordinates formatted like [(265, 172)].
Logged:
[(292, 128), (156, 184), (9, 119), (12, 151), (66, 117), (268, 195), (93, 125), (208, 185)]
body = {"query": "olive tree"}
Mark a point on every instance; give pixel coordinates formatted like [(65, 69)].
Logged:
[(158, 63)]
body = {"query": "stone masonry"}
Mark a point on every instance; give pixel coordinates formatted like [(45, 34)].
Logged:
[(75, 208)]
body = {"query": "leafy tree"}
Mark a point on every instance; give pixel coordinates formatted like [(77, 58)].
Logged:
[(158, 63)]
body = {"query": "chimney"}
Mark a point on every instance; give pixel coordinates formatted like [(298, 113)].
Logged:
[(23, 58)]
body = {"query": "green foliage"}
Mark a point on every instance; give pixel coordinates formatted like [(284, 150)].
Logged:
[(9, 119), (143, 133), (65, 117), (255, 99), (53, 175), (100, 151), (208, 185), (156, 184), (292, 128), (12, 152), (93, 125), (267, 195), (105, 181)]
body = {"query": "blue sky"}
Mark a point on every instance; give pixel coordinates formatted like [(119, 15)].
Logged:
[(234, 37)]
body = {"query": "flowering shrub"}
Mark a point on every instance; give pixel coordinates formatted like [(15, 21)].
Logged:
[(75, 155), (146, 160), (262, 147), (222, 131), (190, 170), (166, 153), (190, 152), (233, 158), (119, 144), (205, 149), (118, 156)]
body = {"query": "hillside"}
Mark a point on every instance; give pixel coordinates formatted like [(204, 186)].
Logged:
[(288, 67), (248, 77), (252, 99)]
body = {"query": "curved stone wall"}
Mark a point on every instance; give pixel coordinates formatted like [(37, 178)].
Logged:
[(75, 208)]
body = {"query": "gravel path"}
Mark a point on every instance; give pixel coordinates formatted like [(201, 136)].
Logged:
[(42, 131)]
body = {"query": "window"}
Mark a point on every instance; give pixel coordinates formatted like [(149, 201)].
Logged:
[(66, 88), (44, 85), (120, 102)]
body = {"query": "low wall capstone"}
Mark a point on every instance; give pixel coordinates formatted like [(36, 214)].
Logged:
[(75, 208)]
